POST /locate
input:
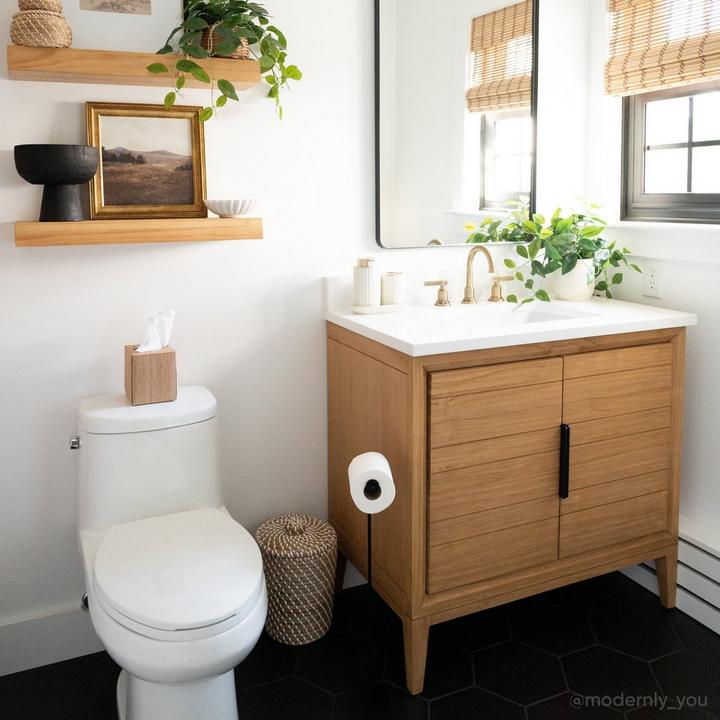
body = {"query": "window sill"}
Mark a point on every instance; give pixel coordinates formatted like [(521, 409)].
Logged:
[(659, 225), (500, 212)]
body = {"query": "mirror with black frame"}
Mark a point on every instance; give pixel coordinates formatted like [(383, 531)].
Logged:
[(456, 100)]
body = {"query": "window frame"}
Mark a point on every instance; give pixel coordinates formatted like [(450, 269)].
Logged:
[(637, 205), (486, 137)]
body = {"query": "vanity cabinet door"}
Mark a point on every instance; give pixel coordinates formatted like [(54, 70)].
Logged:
[(494, 443), (617, 404)]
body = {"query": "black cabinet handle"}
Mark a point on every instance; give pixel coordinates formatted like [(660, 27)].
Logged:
[(564, 490)]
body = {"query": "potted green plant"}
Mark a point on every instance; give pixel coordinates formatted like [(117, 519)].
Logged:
[(571, 248), (225, 28), (508, 228)]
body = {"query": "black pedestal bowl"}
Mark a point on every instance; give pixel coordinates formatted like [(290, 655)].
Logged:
[(64, 170)]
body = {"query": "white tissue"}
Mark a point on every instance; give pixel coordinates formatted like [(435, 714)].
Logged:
[(364, 469), (157, 332)]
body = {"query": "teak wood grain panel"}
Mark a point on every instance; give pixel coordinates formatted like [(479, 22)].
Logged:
[(494, 554), (619, 393), (368, 403), (495, 377), (615, 490), (455, 457), (112, 67), (501, 518), (492, 485), (467, 418), (615, 523), (597, 463), (611, 361), (620, 426), (132, 232)]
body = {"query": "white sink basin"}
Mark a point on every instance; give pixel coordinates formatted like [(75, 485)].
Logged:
[(473, 318), (419, 330)]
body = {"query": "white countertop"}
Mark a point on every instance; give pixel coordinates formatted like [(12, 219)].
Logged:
[(419, 330)]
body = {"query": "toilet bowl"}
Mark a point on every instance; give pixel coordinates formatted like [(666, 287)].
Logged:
[(175, 586)]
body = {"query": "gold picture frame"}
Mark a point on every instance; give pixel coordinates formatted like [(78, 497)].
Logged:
[(152, 161)]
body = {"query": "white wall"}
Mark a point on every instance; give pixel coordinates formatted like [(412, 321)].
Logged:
[(249, 314), (691, 260)]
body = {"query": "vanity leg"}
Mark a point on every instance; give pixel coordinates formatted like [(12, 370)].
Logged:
[(666, 568), (415, 635), (340, 572)]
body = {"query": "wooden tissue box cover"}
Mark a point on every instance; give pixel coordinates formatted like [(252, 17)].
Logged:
[(150, 377)]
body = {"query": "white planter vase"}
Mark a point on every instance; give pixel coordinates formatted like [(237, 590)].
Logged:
[(578, 285)]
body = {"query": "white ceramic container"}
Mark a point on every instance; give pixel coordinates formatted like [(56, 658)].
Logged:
[(578, 285), (231, 208)]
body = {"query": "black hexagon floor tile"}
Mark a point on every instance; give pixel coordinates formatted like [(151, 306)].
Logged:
[(379, 701), (696, 636), (288, 698), (632, 594), (476, 631), (340, 662), (268, 661), (473, 704), (689, 674), (599, 672), (570, 707), (80, 688), (448, 669), (549, 627), (588, 596), (660, 713), (361, 611), (641, 634), (518, 672)]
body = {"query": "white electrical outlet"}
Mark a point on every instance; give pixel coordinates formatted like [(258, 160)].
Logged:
[(652, 278)]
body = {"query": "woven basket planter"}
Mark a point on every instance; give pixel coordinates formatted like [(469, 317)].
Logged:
[(40, 28), (54, 6), (299, 557), (241, 53)]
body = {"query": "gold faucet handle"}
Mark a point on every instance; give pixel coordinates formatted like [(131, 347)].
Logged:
[(496, 292), (443, 298)]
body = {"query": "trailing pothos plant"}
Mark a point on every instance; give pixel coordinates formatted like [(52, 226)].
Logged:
[(227, 25), (560, 245), (509, 228)]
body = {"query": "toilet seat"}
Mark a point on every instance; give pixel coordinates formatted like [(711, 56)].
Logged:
[(182, 576)]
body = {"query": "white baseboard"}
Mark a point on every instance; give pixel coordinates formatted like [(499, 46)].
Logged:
[(353, 577), (687, 602), (62, 635), (698, 592)]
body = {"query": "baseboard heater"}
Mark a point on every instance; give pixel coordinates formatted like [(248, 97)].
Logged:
[(698, 580)]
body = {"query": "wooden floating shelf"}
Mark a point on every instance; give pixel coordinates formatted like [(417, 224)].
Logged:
[(123, 232), (107, 67)]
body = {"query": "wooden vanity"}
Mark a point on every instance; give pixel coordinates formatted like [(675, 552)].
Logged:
[(518, 469)]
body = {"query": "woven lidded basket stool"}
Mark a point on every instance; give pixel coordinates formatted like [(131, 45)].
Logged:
[(299, 557), (40, 27)]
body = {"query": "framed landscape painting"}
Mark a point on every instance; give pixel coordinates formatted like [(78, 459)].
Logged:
[(152, 161)]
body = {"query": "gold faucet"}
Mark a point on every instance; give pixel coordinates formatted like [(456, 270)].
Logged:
[(469, 298)]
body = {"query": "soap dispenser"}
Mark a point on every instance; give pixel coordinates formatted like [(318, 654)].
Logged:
[(366, 284)]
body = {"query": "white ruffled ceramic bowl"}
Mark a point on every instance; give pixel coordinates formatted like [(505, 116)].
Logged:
[(231, 208)]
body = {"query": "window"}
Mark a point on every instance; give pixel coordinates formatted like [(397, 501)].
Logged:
[(505, 157), (671, 155), (500, 81)]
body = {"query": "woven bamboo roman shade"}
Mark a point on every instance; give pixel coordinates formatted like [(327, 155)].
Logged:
[(661, 43), (501, 46)]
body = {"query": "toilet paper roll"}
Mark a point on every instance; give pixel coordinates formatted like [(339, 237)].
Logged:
[(371, 483)]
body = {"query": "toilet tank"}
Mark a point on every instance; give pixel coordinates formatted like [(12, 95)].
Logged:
[(147, 460)]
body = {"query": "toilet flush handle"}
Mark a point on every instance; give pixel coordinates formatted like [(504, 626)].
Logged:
[(75, 442)]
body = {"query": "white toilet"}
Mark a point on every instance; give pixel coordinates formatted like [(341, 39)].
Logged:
[(175, 586)]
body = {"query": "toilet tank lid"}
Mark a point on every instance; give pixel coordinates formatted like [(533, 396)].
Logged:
[(113, 414)]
